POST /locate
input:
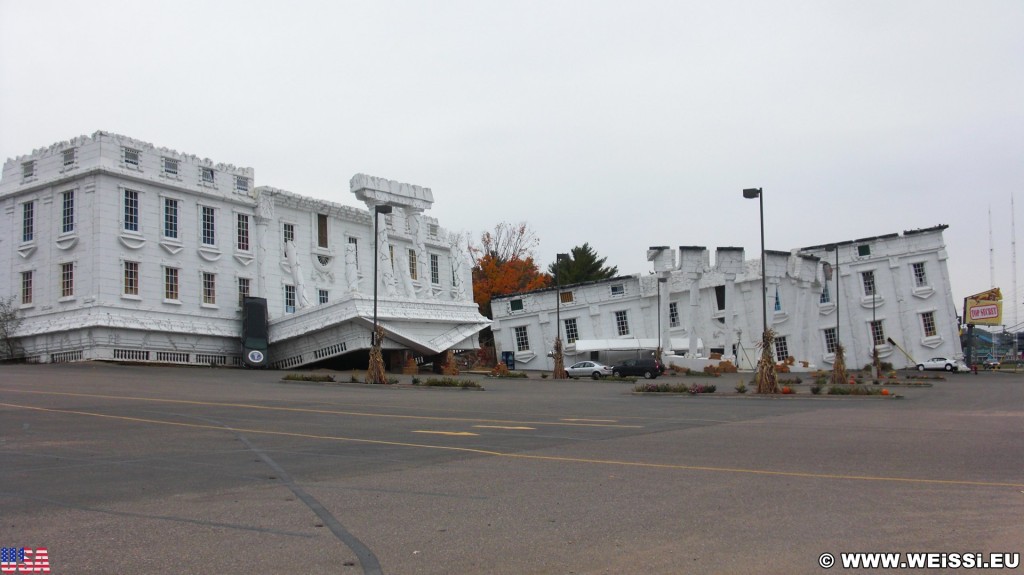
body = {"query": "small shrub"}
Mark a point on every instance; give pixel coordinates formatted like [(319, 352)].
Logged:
[(415, 381), (741, 387), (544, 376), (451, 382), (816, 388), (317, 377), (355, 378)]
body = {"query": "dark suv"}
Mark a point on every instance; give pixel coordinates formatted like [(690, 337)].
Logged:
[(649, 368)]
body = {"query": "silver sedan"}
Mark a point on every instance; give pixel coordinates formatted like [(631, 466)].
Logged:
[(588, 369)]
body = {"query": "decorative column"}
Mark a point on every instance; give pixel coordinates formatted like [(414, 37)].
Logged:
[(693, 262), (418, 231), (264, 215), (729, 261), (384, 263)]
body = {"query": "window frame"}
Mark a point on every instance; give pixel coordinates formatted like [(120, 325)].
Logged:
[(27, 288), (172, 284), (289, 296), (622, 322), (130, 278), (131, 201), (435, 269), (171, 222), (521, 334), (28, 222), (67, 212), (67, 280), (131, 157), (926, 318), (572, 330), (208, 281), (207, 226), (243, 241)]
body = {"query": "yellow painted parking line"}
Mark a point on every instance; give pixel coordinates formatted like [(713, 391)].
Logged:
[(552, 458), (512, 427), (590, 420), (567, 423), (455, 433)]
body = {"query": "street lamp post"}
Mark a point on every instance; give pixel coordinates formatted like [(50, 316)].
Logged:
[(751, 193), (375, 371), (559, 371), (767, 380)]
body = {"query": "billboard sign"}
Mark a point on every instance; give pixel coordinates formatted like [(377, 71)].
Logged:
[(985, 308)]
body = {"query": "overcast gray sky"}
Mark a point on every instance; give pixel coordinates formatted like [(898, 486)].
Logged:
[(623, 124)]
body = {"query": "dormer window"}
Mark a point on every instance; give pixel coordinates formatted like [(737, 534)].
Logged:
[(28, 170), (68, 157), (242, 184), (170, 166), (618, 290), (206, 176), (132, 157)]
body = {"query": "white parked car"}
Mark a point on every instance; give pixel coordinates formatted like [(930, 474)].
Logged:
[(588, 369), (942, 363)]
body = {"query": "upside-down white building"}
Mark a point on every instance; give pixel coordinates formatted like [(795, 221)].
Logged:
[(891, 293), (115, 249)]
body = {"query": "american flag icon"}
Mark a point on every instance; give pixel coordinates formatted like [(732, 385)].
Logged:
[(24, 560)]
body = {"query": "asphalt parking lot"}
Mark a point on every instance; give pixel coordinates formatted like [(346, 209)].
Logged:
[(161, 470)]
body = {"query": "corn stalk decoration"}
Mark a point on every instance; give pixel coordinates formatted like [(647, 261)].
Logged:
[(375, 372), (839, 367), (559, 372), (766, 378)]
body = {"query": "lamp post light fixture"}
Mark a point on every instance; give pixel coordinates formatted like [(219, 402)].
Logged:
[(751, 193), (377, 211), (559, 371), (375, 370)]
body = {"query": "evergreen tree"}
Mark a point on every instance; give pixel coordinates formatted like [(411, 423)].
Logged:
[(582, 265)]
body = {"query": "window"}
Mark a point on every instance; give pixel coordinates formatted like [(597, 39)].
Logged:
[(720, 297), (622, 322), (435, 269), (170, 166), (28, 221), (131, 211), (565, 297), (572, 332), (289, 298), (68, 157), (515, 305), (391, 256), (781, 348), (354, 242), (209, 225), (321, 230), (920, 277), (522, 338), (928, 323), (243, 290), (131, 278), (209, 288), (67, 212), (618, 289), (67, 280), (868, 279), (877, 332), (26, 288), (432, 230), (289, 233), (412, 265), (171, 283), (826, 296), (206, 176), (242, 184), (243, 233), (323, 296), (778, 300), (170, 218), (864, 250), (131, 156), (673, 314), (28, 170), (830, 340)]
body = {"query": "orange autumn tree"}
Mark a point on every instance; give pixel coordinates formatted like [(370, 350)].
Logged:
[(503, 264)]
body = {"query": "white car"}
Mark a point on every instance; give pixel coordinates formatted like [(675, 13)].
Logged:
[(588, 369), (940, 363)]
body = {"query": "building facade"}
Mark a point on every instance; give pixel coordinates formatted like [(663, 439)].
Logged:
[(890, 293), (115, 249)]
